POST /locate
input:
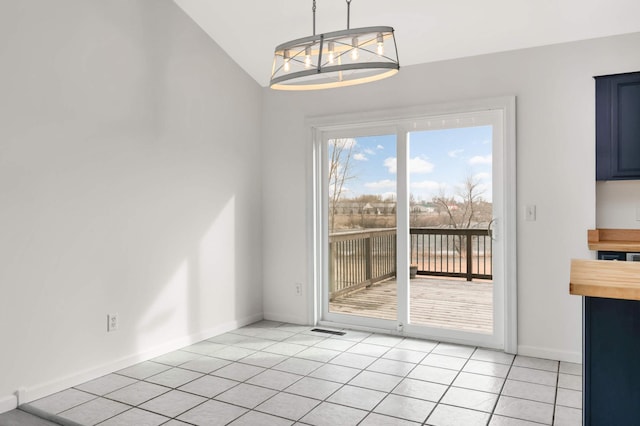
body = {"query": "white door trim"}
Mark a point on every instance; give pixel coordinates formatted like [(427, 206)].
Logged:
[(391, 118)]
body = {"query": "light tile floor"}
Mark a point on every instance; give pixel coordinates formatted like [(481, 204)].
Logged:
[(281, 374)]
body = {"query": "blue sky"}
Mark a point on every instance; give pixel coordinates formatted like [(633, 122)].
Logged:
[(439, 160)]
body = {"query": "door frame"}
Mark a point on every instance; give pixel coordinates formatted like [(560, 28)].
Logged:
[(506, 228)]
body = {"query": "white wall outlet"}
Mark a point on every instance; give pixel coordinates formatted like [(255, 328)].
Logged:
[(113, 322), (530, 213), (298, 289)]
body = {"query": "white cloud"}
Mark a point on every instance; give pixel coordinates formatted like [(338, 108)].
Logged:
[(420, 165), (381, 184), (427, 189), (455, 153), (429, 185), (486, 192), (344, 190), (346, 142), (478, 159), (391, 164), (388, 196), (482, 177), (380, 147), (416, 165), (360, 157), (369, 151)]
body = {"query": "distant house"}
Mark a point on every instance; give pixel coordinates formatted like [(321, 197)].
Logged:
[(348, 207), (422, 209), (387, 207)]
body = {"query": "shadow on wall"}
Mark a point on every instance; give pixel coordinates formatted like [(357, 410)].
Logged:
[(201, 292), (130, 183)]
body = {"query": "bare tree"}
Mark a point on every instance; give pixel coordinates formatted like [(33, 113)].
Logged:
[(341, 153), (464, 209), (471, 195), (414, 210)]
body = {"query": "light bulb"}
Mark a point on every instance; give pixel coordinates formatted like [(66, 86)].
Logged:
[(354, 52), (380, 41), (307, 57), (332, 55), (287, 58)]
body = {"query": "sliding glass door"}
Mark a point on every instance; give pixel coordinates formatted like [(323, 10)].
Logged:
[(411, 220)]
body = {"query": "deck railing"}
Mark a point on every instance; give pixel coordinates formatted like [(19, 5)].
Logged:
[(463, 253), (359, 259)]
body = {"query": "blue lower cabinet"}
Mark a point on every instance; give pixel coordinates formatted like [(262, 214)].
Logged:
[(611, 381)]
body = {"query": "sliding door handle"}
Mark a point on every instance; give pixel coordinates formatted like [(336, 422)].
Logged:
[(491, 227)]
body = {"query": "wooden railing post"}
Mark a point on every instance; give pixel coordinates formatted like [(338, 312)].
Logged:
[(369, 258), (332, 269), (469, 257)]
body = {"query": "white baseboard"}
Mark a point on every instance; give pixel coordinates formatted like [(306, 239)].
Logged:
[(41, 390), (8, 403), (270, 316), (553, 354)]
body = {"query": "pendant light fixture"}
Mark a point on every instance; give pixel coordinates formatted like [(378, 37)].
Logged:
[(335, 59)]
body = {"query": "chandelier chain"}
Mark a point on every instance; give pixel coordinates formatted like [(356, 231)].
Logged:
[(314, 17), (348, 14)]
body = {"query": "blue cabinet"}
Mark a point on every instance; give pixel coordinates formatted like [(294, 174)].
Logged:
[(611, 362), (618, 126)]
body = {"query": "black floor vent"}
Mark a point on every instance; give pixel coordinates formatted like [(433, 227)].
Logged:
[(322, 330)]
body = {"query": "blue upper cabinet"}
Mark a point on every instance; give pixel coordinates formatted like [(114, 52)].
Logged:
[(618, 126)]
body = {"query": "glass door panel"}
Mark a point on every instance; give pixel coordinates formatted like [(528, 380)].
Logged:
[(361, 182), (450, 213)]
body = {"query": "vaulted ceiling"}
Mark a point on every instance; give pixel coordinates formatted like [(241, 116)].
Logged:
[(426, 30)]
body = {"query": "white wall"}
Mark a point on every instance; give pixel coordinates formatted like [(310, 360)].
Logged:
[(129, 182), (555, 170), (618, 204)]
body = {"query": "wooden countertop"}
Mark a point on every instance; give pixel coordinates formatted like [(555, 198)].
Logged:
[(605, 278), (614, 239)]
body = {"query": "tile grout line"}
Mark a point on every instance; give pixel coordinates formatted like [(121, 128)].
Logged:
[(506, 377), (402, 379), (555, 399), (424, 422), (457, 375), (326, 363), (365, 368), (278, 391)]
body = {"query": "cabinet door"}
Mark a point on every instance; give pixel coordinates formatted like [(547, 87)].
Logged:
[(618, 127), (611, 369)]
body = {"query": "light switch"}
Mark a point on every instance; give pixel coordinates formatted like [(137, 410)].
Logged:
[(638, 213), (530, 213)]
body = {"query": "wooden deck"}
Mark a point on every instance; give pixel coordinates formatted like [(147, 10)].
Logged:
[(443, 303)]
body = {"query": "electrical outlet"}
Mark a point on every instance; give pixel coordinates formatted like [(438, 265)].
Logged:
[(113, 322), (298, 289)]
